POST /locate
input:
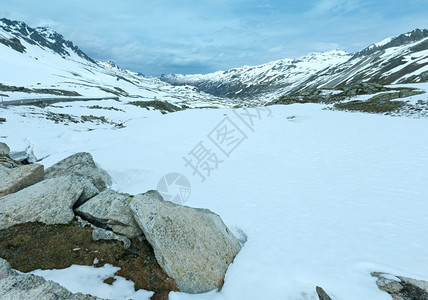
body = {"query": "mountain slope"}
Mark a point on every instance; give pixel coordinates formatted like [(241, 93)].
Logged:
[(42, 36), (402, 59), (38, 62)]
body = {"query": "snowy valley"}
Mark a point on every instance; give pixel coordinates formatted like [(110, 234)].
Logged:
[(317, 165)]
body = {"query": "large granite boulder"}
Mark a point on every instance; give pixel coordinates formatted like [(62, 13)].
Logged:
[(110, 210), (29, 287), (402, 288), (50, 201), (19, 177), (82, 165), (193, 246)]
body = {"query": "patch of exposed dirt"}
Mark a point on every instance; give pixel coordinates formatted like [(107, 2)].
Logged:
[(32, 246)]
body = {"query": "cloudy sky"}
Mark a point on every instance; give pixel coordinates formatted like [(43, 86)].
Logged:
[(199, 36)]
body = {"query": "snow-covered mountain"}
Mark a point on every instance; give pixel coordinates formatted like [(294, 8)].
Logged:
[(250, 81), (397, 60), (402, 59), (39, 62)]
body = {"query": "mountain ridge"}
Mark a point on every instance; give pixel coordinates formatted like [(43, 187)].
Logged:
[(40, 60), (39, 63), (42, 36), (400, 59)]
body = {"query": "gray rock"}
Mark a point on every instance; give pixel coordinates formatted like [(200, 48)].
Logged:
[(102, 234), (28, 287), (50, 201), (7, 162), (322, 295), (79, 222), (4, 149), (15, 179), (5, 269), (402, 288), (82, 165), (110, 210), (89, 190), (193, 246)]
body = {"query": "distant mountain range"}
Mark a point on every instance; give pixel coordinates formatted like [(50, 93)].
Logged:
[(39, 61), (401, 59)]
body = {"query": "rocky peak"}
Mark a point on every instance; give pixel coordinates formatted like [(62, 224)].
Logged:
[(108, 64), (42, 36), (401, 40)]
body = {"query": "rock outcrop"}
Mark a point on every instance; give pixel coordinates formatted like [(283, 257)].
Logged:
[(193, 246), (50, 201), (28, 287), (402, 288), (322, 295), (110, 210), (19, 177), (82, 166)]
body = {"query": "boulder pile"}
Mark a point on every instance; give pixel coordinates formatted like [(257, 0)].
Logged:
[(193, 246)]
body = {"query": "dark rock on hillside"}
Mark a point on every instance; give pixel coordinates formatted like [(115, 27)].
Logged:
[(322, 295), (13, 43), (383, 102), (163, 106)]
